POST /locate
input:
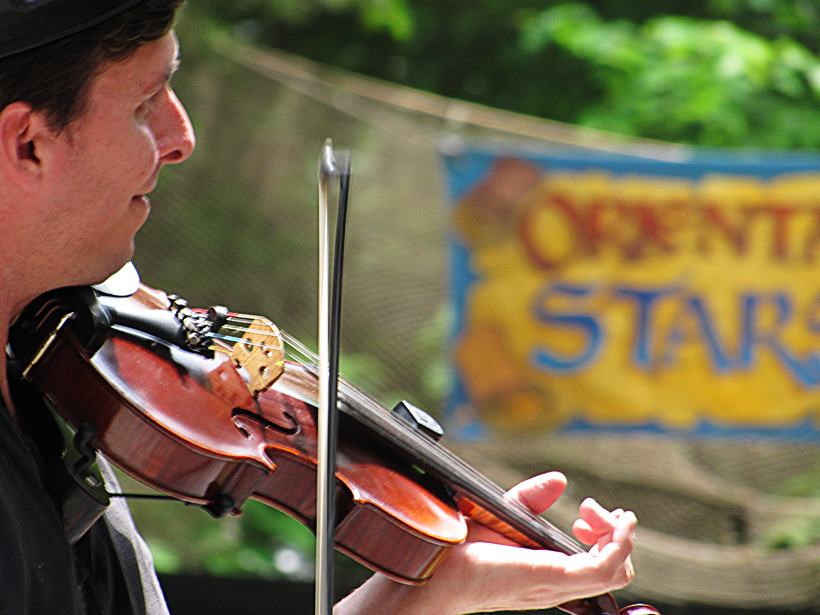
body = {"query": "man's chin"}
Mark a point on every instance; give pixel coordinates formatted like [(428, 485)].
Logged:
[(111, 266)]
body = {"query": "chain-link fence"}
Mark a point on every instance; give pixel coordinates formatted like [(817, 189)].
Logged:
[(235, 225)]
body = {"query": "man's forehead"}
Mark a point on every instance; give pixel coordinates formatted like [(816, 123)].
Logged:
[(164, 70), (26, 24), (140, 74)]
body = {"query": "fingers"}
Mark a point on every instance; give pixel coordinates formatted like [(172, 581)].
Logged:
[(540, 492), (530, 578), (622, 537), (616, 552), (605, 567), (494, 574), (596, 522), (537, 494), (607, 562)]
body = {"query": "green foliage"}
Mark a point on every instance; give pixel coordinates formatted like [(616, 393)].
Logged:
[(715, 73), (686, 80), (802, 532), (391, 16), (794, 535), (436, 374), (806, 485), (260, 542), (797, 18)]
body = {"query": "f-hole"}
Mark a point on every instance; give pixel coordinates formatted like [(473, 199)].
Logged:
[(288, 429)]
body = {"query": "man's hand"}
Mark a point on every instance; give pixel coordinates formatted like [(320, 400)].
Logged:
[(489, 573)]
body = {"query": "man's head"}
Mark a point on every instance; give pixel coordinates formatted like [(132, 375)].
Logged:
[(87, 121), (50, 50)]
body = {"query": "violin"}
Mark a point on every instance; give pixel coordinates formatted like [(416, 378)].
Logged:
[(214, 407)]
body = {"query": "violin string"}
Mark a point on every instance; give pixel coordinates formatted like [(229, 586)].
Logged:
[(247, 342), (249, 321), (493, 491), (281, 336), (445, 459), (231, 338), (450, 465)]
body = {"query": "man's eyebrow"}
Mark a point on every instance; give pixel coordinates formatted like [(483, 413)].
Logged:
[(172, 68), (166, 77), (174, 65)]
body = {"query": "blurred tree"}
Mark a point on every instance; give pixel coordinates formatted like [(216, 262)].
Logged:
[(688, 80), (708, 72)]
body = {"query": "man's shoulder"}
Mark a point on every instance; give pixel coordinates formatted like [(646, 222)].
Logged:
[(37, 569)]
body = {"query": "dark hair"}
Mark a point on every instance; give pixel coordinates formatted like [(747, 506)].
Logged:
[(55, 78)]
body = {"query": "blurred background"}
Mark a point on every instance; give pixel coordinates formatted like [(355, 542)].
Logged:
[(726, 526)]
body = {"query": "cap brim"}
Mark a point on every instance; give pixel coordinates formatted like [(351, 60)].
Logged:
[(25, 25)]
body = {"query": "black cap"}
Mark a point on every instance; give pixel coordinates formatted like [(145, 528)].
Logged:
[(26, 24)]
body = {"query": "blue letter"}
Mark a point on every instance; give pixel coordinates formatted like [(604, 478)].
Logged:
[(645, 300), (676, 336), (806, 371), (585, 323)]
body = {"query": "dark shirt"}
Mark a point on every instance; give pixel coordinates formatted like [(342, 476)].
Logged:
[(108, 571)]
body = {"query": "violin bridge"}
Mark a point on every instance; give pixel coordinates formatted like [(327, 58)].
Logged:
[(261, 352)]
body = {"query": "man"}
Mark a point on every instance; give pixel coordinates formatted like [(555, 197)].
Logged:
[(87, 120)]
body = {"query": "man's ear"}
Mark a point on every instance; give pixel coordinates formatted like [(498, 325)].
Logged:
[(24, 135)]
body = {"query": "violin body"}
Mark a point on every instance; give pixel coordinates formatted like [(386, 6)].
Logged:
[(212, 443), (190, 422)]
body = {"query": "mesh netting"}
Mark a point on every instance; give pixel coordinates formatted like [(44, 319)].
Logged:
[(236, 225)]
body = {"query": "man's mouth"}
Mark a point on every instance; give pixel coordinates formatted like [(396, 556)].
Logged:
[(143, 196), (141, 201)]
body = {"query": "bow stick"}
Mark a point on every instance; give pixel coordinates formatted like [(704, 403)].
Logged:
[(329, 318)]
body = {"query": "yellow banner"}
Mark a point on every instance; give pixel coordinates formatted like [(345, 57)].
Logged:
[(627, 294)]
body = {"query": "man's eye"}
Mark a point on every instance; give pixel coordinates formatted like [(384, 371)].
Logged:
[(149, 103)]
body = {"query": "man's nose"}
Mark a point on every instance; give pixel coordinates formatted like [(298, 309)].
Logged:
[(175, 135)]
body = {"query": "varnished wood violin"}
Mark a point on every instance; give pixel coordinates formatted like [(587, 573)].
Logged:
[(214, 408)]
